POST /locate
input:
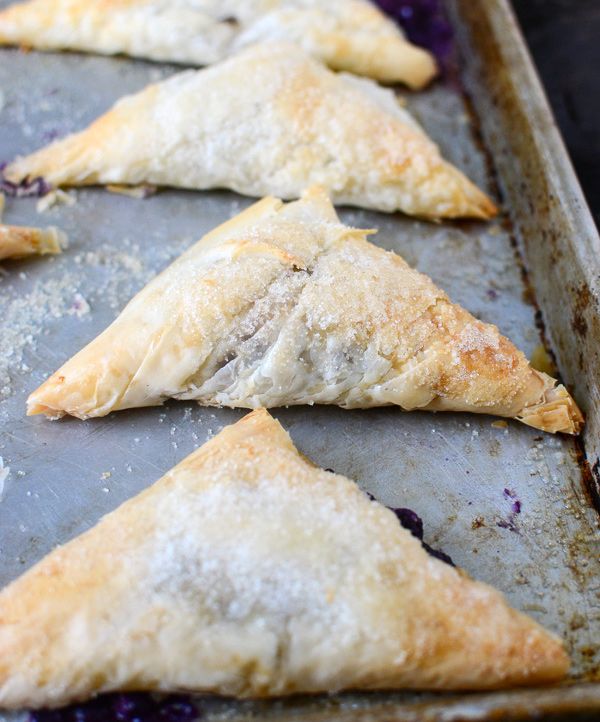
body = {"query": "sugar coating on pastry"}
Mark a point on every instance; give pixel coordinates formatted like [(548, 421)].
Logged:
[(248, 571), (286, 305), (270, 120), (351, 35)]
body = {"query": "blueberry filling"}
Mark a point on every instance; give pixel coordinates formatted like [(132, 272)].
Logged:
[(413, 523), (126, 707), (28, 187), (410, 520)]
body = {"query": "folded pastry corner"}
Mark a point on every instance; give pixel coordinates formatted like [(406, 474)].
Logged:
[(388, 60), (21, 241), (351, 35), (270, 120), (555, 411), (286, 305), (248, 571)]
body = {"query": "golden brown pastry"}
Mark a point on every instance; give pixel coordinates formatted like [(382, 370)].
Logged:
[(20, 241), (248, 571), (269, 120), (348, 35), (285, 305)]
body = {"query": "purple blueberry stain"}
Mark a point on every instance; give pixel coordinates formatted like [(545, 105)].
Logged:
[(438, 554), (50, 135), (413, 523), (179, 710), (133, 707), (48, 715), (125, 707), (515, 502), (410, 520), (510, 522), (28, 187)]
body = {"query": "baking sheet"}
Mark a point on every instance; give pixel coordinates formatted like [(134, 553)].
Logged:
[(454, 470)]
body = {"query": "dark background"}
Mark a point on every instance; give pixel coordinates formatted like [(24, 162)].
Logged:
[(564, 40)]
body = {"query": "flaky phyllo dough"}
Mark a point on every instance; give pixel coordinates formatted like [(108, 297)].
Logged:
[(269, 121), (348, 35), (284, 305), (21, 241), (248, 571)]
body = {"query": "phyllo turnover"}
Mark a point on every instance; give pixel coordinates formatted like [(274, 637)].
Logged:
[(286, 305), (248, 571), (270, 120)]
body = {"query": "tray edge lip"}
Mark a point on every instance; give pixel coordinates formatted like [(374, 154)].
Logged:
[(581, 216), (563, 179)]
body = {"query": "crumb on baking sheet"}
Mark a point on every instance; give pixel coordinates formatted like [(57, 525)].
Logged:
[(56, 197), (142, 191), (477, 522)]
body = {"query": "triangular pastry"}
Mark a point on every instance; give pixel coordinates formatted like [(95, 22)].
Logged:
[(350, 35), (248, 571), (284, 305), (20, 241), (269, 120)]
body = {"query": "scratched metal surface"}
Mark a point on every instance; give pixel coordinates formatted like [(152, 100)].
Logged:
[(452, 469)]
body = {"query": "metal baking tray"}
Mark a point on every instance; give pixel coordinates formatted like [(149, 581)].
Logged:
[(534, 272)]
